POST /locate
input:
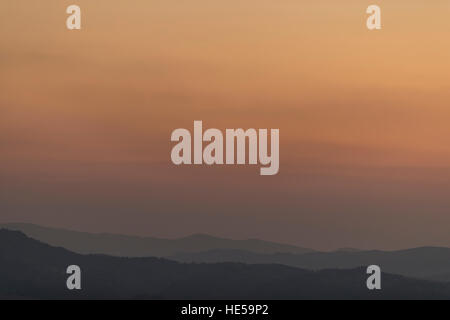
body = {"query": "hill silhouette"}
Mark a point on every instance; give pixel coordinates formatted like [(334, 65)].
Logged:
[(32, 269), (426, 263), (132, 246), (431, 263)]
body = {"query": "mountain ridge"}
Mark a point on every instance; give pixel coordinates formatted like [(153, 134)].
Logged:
[(425, 262), (31, 269), (138, 246), (422, 262)]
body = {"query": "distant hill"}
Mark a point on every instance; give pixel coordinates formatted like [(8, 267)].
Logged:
[(348, 250), (427, 262), (31, 269), (443, 277), (131, 246)]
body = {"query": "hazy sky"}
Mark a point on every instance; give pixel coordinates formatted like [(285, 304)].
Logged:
[(86, 118)]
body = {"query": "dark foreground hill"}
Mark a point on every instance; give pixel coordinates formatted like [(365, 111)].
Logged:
[(426, 263), (131, 246), (31, 269)]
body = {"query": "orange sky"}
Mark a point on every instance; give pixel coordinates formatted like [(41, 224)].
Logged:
[(86, 118)]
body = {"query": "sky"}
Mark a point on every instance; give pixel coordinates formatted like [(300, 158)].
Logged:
[(86, 118)]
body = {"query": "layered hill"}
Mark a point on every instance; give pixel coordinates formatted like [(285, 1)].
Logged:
[(132, 246), (32, 269), (426, 262)]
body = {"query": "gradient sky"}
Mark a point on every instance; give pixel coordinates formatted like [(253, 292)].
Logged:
[(86, 118)]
